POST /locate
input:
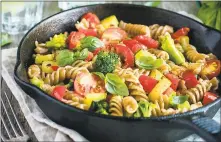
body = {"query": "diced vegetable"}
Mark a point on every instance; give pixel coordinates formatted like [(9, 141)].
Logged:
[(99, 74), (115, 85), (190, 79), (134, 45), (114, 34), (169, 91), (100, 107), (176, 100), (37, 82), (185, 105), (180, 32), (47, 66), (41, 58), (88, 32), (144, 59), (59, 92), (158, 90), (148, 83), (147, 41), (169, 46), (212, 69), (94, 97), (209, 97), (174, 80), (127, 54), (57, 42), (91, 43), (89, 56), (156, 74), (110, 21)]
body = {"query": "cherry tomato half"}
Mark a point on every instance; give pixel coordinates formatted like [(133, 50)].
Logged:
[(212, 69), (209, 97), (92, 19), (190, 79), (87, 83), (147, 41), (74, 39), (181, 32), (147, 82), (59, 92), (174, 80), (127, 55), (115, 34), (89, 56)]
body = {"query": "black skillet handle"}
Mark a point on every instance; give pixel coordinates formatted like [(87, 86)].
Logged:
[(205, 127)]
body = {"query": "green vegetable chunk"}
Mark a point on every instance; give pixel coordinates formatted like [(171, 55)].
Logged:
[(101, 75), (57, 42), (115, 85), (144, 109), (145, 60), (67, 57), (106, 62), (176, 100), (185, 105), (169, 46), (37, 82), (91, 43), (100, 107)]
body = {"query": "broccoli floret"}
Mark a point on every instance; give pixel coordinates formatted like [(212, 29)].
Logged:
[(106, 62), (144, 109), (100, 107), (57, 42)]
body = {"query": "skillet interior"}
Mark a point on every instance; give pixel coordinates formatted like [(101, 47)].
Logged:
[(204, 38)]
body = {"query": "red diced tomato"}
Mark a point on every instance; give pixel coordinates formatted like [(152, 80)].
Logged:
[(181, 32), (147, 41), (174, 80), (89, 56), (134, 45), (147, 82), (190, 79), (92, 19), (168, 92), (59, 92), (209, 98), (54, 67), (88, 32), (74, 39)]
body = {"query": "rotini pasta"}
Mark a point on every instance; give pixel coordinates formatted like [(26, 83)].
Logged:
[(157, 30), (196, 94), (125, 69), (135, 29), (116, 108)]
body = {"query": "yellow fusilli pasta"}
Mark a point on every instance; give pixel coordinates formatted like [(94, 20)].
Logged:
[(159, 54), (34, 71), (193, 55), (130, 105)]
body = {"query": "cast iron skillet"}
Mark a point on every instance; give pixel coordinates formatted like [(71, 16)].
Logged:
[(97, 127)]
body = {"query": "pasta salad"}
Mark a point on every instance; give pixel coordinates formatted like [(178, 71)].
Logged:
[(117, 68)]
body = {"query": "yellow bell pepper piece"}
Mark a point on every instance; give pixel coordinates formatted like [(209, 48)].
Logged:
[(156, 74), (94, 97), (41, 58), (158, 90), (46, 66), (110, 21)]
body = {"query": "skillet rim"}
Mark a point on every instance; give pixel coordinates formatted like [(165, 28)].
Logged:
[(198, 111)]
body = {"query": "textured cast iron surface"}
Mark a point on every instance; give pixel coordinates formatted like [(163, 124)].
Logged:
[(97, 127)]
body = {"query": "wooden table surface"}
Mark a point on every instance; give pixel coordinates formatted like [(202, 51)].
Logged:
[(49, 8)]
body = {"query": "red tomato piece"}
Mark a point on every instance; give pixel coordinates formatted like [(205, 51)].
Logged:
[(87, 83), (181, 32), (97, 50), (114, 34), (92, 19), (134, 45), (174, 80), (59, 92), (212, 69), (89, 32), (168, 91), (190, 79), (147, 82), (147, 41), (54, 67), (209, 97), (127, 54), (74, 39), (89, 56)]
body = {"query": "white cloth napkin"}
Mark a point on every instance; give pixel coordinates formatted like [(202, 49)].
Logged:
[(43, 128)]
